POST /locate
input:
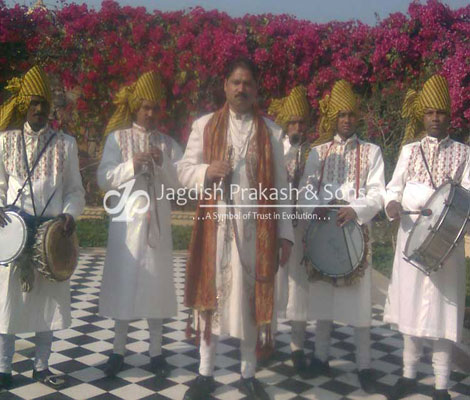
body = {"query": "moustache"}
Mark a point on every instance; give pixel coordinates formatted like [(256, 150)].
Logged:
[(244, 95)]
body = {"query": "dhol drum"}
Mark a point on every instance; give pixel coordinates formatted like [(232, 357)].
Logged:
[(55, 255), (335, 254), (435, 236), (13, 237)]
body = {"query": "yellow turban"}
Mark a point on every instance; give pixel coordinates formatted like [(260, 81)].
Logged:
[(435, 95), (129, 98), (342, 98), (13, 111), (294, 105)]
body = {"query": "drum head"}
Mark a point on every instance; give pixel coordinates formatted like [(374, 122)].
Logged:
[(423, 225), (12, 238), (334, 251), (61, 251)]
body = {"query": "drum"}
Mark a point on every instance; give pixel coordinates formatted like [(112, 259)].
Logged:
[(434, 237), (55, 255), (335, 254), (13, 238)]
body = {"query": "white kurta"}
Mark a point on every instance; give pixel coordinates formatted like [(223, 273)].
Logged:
[(419, 305), (321, 300), (138, 278), (235, 283), (47, 306)]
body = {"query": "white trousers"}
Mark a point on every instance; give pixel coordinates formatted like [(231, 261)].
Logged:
[(323, 338), (248, 356), (441, 359), (43, 342), (121, 328)]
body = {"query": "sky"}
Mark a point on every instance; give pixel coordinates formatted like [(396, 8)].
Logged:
[(313, 10)]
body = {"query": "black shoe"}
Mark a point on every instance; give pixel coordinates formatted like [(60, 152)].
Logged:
[(300, 363), (6, 380), (252, 389), (402, 388), (50, 379), (160, 367), (114, 365), (368, 381), (200, 388), (317, 368), (441, 394)]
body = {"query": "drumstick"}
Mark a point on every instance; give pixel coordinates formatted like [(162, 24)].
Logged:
[(426, 212)]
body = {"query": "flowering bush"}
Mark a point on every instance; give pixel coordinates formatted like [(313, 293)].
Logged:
[(98, 51)]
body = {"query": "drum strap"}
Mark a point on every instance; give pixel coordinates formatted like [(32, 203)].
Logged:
[(427, 166), (31, 171), (358, 166), (320, 181)]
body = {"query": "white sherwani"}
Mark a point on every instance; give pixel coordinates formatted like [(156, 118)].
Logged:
[(235, 282), (420, 305), (47, 306), (321, 300), (138, 278)]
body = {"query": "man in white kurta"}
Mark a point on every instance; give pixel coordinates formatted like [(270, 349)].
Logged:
[(349, 169), (138, 272), (235, 241), (292, 114), (44, 306), (418, 305)]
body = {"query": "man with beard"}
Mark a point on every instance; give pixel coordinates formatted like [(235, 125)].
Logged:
[(423, 306), (353, 171), (232, 262), (32, 152)]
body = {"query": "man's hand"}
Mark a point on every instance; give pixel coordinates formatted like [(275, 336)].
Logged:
[(394, 209), (345, 215), (286, 248), (217, 170), (141, 161), (4, 219), (69, 224), (157, 156)]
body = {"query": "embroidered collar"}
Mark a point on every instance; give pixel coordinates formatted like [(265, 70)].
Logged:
[(433, 140), (141, 129), (30, 132), (338, 139)]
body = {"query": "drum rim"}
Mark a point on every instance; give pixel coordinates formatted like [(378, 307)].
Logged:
[(45, 226), (433, 231), (344, 275), (25, 237)]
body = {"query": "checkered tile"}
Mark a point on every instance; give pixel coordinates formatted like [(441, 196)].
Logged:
[(81, 351)]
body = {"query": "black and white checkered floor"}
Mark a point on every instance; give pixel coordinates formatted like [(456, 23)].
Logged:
[(81, 350)]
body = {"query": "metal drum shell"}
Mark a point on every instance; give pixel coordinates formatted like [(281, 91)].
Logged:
[(17, 216), (445, 234)]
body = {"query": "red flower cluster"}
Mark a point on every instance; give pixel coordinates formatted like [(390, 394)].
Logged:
[(98, 51)]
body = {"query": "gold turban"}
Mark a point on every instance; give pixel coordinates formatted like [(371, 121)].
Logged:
[(342, 98), (294, 105), (129, 98), (435, 95), (13, 111)]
